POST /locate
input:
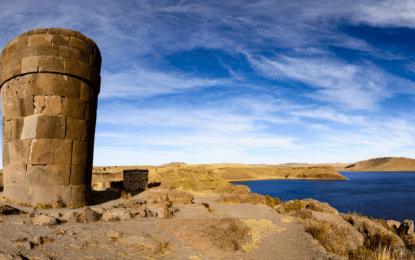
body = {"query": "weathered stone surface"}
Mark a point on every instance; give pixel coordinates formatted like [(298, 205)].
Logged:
[(29, 64), (174, 196), (62, 152), (69, 216), (370, 228), (50, 64), (76, 129), (29, 128), (15, 175), (319, 206), (147, 241), (135, 180), (39, 83), (56, 215), (58, 174), (160, 210), (48, 50), (78, 195), (66, 86), (7, 130), (5, 155), (116, 214), (114, 234), (406, 227), (42, 151), (50, 127), (393, 224), (50, 194), (219, 238), (73, 108), (88, 215), (17, 193), (77, 175), (19, 152), (79, 153), (40, 39), (36, 175), (43, 220), (17, 128)]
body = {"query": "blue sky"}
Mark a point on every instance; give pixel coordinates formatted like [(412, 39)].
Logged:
[(243, 81)]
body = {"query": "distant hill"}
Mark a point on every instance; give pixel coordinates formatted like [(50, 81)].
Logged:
[(381, 164), (172, 164)]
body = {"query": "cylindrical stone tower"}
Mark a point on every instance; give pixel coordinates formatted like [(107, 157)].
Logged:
[(50, 80)]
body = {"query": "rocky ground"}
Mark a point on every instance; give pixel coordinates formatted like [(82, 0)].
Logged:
[(165, 223)]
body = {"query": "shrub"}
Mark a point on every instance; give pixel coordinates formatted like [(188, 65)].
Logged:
[(379, 240), (296, 205), (44, 206), (361, 253), (313, 206), (270, 201)]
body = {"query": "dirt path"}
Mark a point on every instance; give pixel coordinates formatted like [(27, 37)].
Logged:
[(275, 236)]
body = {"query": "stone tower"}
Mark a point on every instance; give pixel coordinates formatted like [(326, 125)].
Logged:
[(50, 81)]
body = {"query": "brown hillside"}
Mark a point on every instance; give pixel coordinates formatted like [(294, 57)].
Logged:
[(382, 164)]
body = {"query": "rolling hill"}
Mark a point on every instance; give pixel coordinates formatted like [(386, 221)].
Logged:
[(381, 164)]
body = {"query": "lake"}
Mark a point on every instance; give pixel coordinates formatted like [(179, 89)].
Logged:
[(388, 195)]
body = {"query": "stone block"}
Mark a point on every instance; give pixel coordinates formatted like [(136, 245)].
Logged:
[(5, 154), (50, 127), (85, 71), (58, 174), (60, 40), (71, 66), (29, 33), (57, 31), (89, 48), (84, 57), (22, 43), (51, 64), (3, 94), (27, 106), (39, 84), (66, 86), (36, 175), (8, 60), (68, 33), (78, 175), (16, 68), (85, 92), (17, 128), (29, 64), (53, 105), (29, 128), (88, 112), (47, 50), (68, 52), (41, 31), (17, 193), (19, 151), (135, 180), (39, 39), (79, 152), (78, 195), (81, 37), (20, 54), (64, 193), (7, 72), (42, 151), (39, 104), (32, 50), (15, 89), (76, 129), (62, 152), (41, 195), (72, 107), (7, 130), (15, 175), (12, 110), (77, 43)]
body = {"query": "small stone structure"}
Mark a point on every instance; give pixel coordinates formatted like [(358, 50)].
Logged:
[(135, 180), (50, 80)]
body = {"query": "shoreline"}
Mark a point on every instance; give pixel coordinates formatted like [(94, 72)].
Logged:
[(266, 179)]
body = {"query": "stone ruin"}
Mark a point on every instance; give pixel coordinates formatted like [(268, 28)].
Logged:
[(135, 180), (50, 81)]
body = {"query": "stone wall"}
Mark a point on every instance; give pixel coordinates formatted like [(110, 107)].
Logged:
[(135, 180), (50, 83)]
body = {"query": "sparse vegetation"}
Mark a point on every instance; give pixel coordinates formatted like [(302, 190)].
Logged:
[(272, 202), (44, 206), (296, 205)]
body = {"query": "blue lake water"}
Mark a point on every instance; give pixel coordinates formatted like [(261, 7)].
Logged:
[(388, 195)]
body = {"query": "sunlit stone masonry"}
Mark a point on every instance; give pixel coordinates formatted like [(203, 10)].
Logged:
[(50, 81)]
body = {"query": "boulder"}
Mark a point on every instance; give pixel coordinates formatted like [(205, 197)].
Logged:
[(99, 210), (406, 228), (116, 214), (43, 220), (371, 228), (148, 242), (56, 215), (339, 229), (160, 211), (319, 206), (70, 216), (252, 198), (8, 210), (216, 237), (88, 215), (394, 224), (171, 195)]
